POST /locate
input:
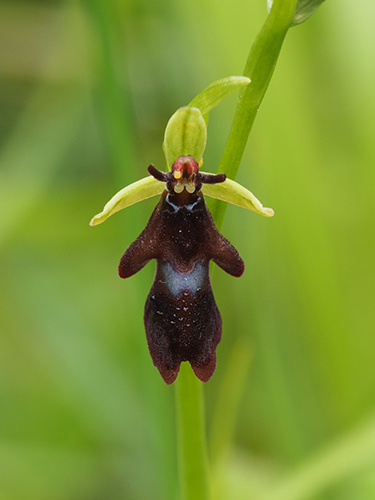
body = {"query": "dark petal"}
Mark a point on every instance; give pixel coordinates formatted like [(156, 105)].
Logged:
[(158, 175), (211, 178)]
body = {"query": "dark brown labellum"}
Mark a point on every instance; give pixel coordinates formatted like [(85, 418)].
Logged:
[(181, 317)]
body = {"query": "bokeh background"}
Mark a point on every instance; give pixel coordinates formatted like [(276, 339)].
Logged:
[(86, 89)]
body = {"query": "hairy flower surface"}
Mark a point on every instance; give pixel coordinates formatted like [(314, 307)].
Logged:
[(181, 317)]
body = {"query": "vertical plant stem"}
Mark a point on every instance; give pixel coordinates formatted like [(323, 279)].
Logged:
[(191, 434), (259, 68)]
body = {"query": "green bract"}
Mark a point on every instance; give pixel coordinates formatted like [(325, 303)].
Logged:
[(186, 134), (304, 9)]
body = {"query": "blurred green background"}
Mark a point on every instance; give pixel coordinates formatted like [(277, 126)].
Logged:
[(86, 91)]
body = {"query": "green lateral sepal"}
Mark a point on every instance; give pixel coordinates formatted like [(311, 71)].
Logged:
[(138, 191), (232, 192)]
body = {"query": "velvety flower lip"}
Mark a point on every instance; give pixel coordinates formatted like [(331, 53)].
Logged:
[(182, 320)]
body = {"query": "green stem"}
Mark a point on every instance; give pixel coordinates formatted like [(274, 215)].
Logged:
[(259, 68), (191, 432)]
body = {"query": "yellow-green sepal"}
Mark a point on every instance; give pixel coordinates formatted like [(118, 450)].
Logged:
[(212, 95), (232, 192), (186, 134), (138, 191)]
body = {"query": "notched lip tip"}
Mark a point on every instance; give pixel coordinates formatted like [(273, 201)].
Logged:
[(169, 375), (169, 381), (205, 372)]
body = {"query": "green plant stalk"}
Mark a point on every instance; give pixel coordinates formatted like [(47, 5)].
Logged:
[(259, 68), (191, 436)]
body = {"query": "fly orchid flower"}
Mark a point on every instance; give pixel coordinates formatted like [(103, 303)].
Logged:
[(181, 317)]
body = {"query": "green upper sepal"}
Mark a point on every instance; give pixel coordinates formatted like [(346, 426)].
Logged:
[(232, 192), (186, 131), (304, 10), (186, 134)]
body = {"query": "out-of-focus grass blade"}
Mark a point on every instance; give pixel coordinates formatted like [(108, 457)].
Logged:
[(227, 405), (352, 452), (34, 152), (35, 472)]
